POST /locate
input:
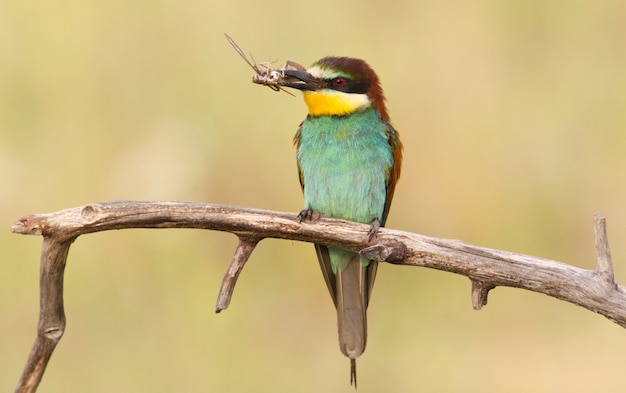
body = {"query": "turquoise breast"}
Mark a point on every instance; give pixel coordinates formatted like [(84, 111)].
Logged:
[(345, 162)]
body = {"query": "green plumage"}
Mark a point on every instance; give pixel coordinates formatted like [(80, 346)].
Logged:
[(346, 165)]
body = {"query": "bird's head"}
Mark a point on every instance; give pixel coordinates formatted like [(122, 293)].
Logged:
[(336, 86)]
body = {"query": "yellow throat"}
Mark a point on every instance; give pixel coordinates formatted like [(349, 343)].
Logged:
[(334, 103)]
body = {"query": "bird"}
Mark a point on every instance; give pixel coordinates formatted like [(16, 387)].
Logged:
[(349, 158)]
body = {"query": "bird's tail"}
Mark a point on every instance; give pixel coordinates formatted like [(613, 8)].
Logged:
[(352, 298)]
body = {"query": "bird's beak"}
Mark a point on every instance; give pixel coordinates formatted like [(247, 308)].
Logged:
[(292, 75), (298, 79)]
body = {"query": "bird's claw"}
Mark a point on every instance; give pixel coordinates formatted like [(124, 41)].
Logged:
[(374, 227), (308, 214)]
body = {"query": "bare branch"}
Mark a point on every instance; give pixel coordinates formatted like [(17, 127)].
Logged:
[(595, 290), (242, 253), (51, 314), (603, 252), (480, 291)]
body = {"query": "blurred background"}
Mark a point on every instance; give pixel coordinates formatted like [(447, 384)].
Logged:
[(513, 120)]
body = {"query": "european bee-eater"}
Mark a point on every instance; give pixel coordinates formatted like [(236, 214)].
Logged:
[(349, 157)]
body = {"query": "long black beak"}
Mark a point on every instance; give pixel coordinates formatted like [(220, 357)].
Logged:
[(298, 79)]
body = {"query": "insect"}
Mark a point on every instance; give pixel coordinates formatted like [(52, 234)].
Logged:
[(268, 76)]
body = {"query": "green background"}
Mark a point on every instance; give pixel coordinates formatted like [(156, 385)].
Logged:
[(513, 117)]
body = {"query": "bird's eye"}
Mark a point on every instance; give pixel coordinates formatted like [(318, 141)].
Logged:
[(338, 82)]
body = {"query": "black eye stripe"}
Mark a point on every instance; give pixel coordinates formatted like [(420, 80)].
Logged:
[(349, 86)]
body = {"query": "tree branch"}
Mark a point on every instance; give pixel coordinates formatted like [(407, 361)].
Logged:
[(595, 290), (242, 253)]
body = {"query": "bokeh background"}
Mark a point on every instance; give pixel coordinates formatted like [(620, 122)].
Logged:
[(513, 117)]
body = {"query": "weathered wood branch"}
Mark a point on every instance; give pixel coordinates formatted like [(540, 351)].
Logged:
[(595, 290)]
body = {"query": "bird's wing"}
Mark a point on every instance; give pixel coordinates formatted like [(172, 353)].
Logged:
[(393, 173), (327, 271), (296, 142)]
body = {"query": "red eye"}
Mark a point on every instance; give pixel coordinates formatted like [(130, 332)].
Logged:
[(338, 82)]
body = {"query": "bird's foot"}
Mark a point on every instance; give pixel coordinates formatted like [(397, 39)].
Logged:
[(308, 214), (374, 227)]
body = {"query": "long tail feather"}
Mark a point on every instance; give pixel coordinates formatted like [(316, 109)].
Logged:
[(351, 306), (352, 287)]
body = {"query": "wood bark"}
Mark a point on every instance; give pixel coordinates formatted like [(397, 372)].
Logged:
[(595, 290)]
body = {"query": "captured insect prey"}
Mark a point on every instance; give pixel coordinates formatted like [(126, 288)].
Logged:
[(267, 76)]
